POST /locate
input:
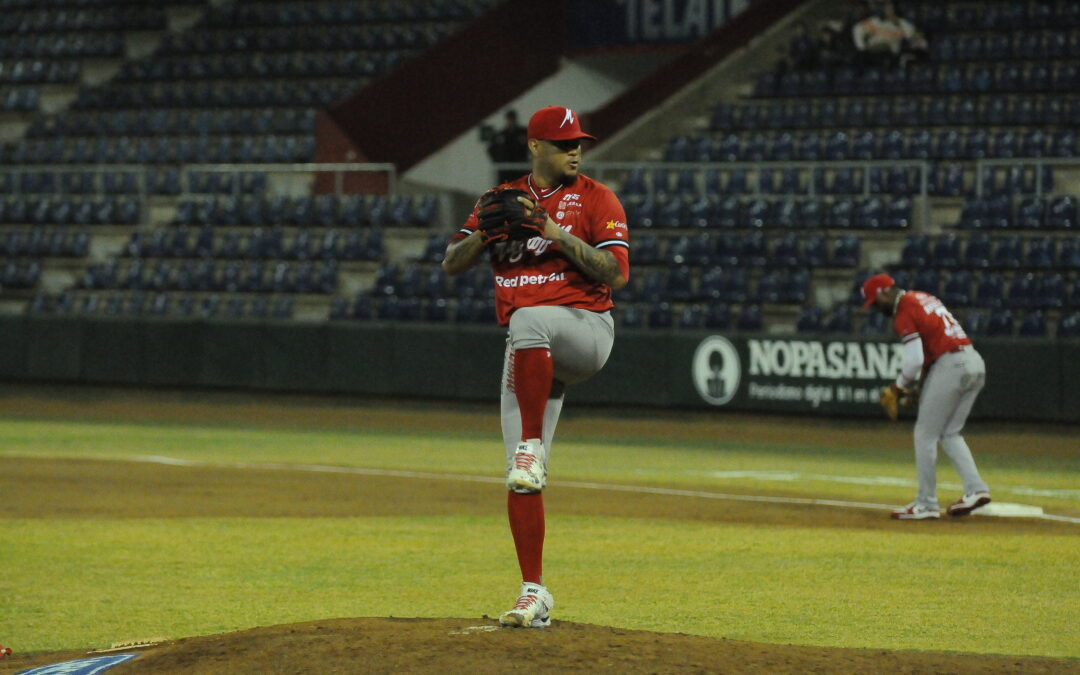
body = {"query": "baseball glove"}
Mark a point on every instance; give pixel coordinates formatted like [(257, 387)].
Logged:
[(502, 217), (892, 398)]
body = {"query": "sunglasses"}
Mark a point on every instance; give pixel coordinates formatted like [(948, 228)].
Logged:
[(566, 146)]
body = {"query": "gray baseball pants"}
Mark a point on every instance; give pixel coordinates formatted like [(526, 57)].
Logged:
[(580, 342), (951, 387)]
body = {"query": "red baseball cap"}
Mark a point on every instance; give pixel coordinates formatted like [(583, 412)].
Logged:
[(556, 123), (875, 285)]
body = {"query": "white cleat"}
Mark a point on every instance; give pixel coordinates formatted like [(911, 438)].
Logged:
[(969, 503), (915, 511), (526, 473), (533, 608)]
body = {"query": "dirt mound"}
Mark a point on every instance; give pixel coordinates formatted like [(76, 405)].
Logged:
[(391, 645)]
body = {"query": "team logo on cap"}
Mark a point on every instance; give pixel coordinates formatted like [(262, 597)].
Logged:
[(568, 117)]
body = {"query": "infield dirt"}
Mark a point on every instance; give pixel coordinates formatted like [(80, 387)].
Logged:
[(392, 645)]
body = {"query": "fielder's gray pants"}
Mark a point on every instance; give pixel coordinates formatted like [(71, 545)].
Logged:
[(580, 342), (951, 387)]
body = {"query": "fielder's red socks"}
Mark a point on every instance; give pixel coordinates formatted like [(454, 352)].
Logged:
[(533, 372), (526, 514)]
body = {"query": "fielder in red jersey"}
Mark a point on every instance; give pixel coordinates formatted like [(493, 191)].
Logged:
[(922, 316), (952, 373), (553, 292)]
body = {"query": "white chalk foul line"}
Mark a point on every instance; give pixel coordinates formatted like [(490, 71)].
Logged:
[(640, 489)]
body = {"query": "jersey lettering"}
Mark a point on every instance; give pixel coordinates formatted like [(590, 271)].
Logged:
[(923, 315)]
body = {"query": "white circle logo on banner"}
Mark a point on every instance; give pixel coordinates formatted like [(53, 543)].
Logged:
[(716, 370)]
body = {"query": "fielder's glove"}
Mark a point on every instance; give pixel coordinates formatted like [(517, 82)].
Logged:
[(501, 216), (893, 398)]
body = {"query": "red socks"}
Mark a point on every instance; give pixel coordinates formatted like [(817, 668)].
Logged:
[(527, 525), (533, 372)]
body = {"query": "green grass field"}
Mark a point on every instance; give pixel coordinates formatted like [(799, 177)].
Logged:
[(79, 582)]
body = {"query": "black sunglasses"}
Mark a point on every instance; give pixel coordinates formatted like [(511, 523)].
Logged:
[(567, 146)]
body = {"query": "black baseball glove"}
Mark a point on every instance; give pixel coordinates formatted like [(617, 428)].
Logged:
[(502, 217)]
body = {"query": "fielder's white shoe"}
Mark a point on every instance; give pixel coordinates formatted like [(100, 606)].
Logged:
[(914, 511), (969, 503), (533, 608), (526, 472)]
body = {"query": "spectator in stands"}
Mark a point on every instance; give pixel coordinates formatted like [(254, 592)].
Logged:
[(803, 50), (881, 38), (509, 144)]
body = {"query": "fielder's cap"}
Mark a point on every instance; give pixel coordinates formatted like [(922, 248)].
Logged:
[(874, 286), (556, 123)]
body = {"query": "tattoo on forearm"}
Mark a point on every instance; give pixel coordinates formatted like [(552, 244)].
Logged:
[(598, 264), (463, 254)]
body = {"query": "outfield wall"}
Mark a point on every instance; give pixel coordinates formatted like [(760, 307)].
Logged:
[(1027, 379)]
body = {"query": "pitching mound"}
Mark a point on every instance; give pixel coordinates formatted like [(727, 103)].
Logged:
[(377, 645)]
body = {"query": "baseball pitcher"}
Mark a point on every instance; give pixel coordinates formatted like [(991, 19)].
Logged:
[(934, 344), (558, 245)]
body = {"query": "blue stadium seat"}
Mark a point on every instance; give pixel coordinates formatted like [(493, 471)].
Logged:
[(754, 251), (782, 148), (1029, 213), (873, 323), (795, 287), (839, 320), (785, 214), (1068, 327), (1039, 253), (809, 320), (927, 280), (864, 146), (718, 317), (837, 147), (1000, 324), (870, 213), (898, 214), (1069, 253), (1023, 291), (659, 315), (809, 147), (946, 145), (990, 290), (946, 251), (1007, 253), (915, 251), (1033, 324), (956, 291), (974, 215), (1051, 293), (919, 145), (893, 145), (1062, 213), (750, 318), (845, 251)]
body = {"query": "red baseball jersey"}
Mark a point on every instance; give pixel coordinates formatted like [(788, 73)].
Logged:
[(535, 272), (921, 315)]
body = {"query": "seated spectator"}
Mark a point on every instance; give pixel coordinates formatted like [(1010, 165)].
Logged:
[(887, 38), (803, 50)]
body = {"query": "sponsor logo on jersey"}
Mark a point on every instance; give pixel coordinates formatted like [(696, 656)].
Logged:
[(528, 279), (716, 370), (616, 224)]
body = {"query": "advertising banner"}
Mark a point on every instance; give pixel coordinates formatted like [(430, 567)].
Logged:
[(623, 23), (796, 374)]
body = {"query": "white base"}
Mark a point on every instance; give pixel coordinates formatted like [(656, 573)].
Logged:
[(1007, 510)]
